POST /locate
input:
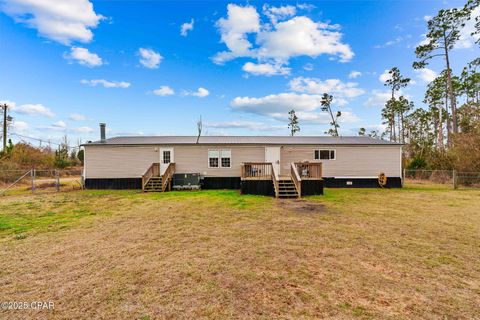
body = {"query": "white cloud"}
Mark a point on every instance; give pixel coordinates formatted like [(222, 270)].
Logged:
[(234, 29), (276, 103), (250, 125), (426, 75), (83, 129), (201, 93), (20, 126), (106, 83), (300, 36), (164, 91), (32, 109), (276, 14), (427, 18), (279, 41), (84, 57), (389, 43), (385, 76), (342, 91), (77, 117), (466, 39), (187, 26), (149, 58), (306, 6), (61, 21), (59, 125), (276, 106), (354, 74), (378, 98), (265, 69), (308, 67)]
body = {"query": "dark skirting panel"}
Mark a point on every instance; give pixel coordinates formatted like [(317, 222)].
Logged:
[(221, 183), (392, 182), (116, 183), (312, 187), (258, 187)]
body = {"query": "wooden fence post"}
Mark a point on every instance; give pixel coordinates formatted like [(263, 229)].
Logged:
[(57, 180), (455, 179), (32, 174)]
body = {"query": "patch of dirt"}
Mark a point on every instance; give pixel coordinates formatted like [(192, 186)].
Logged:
[(301, 206)]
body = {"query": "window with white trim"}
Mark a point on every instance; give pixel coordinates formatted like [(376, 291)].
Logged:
[(220, 158), (225, 158), (324, 154), (213, 158), (166, 156)]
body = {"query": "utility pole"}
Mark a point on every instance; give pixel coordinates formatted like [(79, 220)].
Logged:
[(5, 107)]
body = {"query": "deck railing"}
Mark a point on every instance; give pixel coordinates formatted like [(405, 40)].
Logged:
[(152, 171), (257, 170), (275, 180), (296, 179), (309, 170), (167, 176)]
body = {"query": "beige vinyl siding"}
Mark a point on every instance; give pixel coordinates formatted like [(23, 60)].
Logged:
[(118, 162), (194, 159), (133, 161), (350, 161)]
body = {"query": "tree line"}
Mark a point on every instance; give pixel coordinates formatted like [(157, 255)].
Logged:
[(446, 133)]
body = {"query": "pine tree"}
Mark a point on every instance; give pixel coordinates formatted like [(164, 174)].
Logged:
[(293, 123), (443, 33), (326, 103), (395, 82)]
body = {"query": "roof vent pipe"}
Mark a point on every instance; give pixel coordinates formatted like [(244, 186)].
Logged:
[(102, 131)]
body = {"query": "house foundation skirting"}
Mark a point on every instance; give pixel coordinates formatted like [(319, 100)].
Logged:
[(392, 182), (312, 187), (259, 187), (113, 183), (220, 183)]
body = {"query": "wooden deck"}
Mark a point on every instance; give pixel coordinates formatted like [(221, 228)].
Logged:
[(302, 174)]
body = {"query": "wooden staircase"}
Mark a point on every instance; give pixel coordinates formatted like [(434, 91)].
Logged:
[(153, 181), (287, 189), (154, 184)]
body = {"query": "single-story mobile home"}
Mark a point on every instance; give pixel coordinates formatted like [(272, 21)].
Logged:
[(271, 165)]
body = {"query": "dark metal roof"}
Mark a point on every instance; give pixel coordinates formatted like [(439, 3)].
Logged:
[(262, 140)]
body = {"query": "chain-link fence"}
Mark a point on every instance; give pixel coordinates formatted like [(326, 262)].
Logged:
[(39, 181), (448, 178)]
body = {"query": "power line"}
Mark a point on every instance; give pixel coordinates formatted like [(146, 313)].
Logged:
[(42, 140)]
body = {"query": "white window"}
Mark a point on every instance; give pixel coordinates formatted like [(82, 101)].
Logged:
[(324, 154), (225, 158), (166, 156), (221, 158), (213, 158)]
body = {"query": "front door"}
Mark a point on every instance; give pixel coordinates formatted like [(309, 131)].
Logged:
[(166, 156), (272, 155)]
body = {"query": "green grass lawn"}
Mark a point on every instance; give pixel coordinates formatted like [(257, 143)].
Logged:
[(353, 253)]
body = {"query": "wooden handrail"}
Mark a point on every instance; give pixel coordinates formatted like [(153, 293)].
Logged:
[(257, 170), (167, 176), (309, 170), (275, 181), (152, 171), (296, 179)]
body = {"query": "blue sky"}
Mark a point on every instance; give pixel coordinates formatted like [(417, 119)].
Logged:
[(240, 65)]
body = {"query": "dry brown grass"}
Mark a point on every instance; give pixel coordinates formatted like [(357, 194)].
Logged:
[(410, 253)]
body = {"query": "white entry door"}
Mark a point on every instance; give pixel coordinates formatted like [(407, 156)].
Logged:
[(166, 156), (272, 154)]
